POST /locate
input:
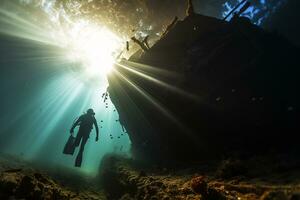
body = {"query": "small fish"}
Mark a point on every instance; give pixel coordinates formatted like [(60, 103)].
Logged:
[(127, 45)]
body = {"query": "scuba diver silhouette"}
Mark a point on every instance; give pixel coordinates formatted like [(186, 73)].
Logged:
[(85, 122)]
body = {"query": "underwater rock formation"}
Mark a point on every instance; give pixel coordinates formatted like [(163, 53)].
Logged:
[(209, 87), (125, 180), (20, 179)]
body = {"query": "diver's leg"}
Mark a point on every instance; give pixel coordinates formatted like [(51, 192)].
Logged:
[(80, 153), (78, 138), (83, 142)]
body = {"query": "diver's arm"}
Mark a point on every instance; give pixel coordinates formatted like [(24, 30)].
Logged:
[(97, 129), (75, 124)]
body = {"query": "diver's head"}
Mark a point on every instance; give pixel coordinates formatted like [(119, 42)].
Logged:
[(90, 111)]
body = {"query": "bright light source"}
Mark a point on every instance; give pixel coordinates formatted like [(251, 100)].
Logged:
[(95, 47)]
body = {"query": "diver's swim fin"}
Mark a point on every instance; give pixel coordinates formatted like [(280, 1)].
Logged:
[(69, 146), (78, 160)]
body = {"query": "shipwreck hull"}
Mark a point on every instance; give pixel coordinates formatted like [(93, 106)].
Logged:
[(207, 88)]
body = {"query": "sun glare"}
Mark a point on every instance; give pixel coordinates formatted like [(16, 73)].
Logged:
[(93, 46)]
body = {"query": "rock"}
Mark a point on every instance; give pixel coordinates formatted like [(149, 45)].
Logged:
[(199, 185), (42, 178), (166, 197), (231, 168), (274, 195), (295, 196), (9, 182), (142, 174), (126, 197), (213, 194), (13, 170), (27, 187)]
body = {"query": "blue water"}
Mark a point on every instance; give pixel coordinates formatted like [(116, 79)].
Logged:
[(42, 92), (257, 12), (41, 97)]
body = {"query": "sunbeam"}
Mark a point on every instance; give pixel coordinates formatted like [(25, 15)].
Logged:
[(62, 69), (161, 83), (14, 25), (93, 46), (155, 103)]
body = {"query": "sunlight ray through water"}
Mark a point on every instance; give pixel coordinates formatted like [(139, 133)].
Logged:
[(71, 62)]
